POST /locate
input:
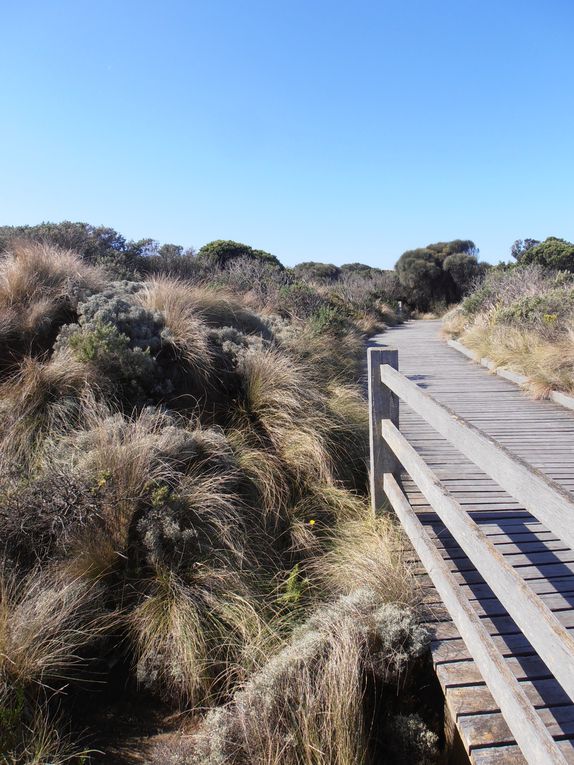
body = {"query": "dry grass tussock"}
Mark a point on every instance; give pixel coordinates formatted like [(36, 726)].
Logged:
[(522, 319), (31, 272), (180, 303), (547, 362), (194, 640), (289, 410), (330, 358), (305, 706), (40, 287), (45, 620), (48, 625), (157, 464), (39, 399), (370, 553), (216, 307)]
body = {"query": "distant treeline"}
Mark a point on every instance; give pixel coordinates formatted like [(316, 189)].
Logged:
[(437, 274), (423, 279)]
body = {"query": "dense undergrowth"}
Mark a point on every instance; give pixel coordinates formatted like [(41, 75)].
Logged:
[(522, 317), (184, 518)]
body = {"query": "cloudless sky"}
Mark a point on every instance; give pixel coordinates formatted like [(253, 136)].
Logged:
[(314, 129)]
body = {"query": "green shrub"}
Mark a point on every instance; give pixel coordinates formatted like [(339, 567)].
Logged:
[(320, 272), (221, 252), (299, 300), (552, 253), (327, 318), (548, 309), (98, 343)]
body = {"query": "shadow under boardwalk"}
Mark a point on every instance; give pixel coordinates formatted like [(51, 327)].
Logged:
[(542, 434)]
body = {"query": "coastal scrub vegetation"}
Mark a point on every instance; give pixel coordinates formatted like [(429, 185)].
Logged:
[(184, 523), (521, 316)]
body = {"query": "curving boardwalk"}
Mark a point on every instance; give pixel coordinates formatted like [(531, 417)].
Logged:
[(542, 434)]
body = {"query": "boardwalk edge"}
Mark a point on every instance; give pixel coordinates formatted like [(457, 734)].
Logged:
[(558, 397)]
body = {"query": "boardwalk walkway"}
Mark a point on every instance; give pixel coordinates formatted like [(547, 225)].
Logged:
[(542, 434)]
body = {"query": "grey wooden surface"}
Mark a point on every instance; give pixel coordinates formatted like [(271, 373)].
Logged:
[(542, 435)]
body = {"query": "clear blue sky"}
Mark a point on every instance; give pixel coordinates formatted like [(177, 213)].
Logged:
[(315, 129)]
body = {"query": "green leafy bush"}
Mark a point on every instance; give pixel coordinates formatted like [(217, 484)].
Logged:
[(328, 318), (554, 253), (548, 308), (221, 252)]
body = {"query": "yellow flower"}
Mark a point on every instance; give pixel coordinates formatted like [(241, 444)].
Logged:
[(312, 522)]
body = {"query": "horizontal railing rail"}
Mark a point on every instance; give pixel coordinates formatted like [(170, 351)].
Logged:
[(390, 451)]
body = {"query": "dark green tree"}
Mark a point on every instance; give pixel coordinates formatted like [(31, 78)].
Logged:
[(464, 270), (521, 246), (322, 272), (552, 253), (220, 252), (432, 274)]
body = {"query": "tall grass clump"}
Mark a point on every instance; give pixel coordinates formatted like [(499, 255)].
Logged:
[(522, 318), (49, 622), (40, 287), (306, 704)]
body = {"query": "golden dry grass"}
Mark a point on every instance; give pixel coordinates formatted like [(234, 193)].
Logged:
[(194, 639), (33, 275), (39, 399), (521, 319), (290, 411), (45, 619), (547, 362), (368, 552)]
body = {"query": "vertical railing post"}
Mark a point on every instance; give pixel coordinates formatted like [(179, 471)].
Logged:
[(383, 405)]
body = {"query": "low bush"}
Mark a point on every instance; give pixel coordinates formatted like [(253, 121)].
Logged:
[(522, 317)]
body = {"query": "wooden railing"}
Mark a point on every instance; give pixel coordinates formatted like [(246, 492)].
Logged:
[(548, 502)]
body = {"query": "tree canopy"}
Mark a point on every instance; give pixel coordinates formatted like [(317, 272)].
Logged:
[(317, 271), (521, 246), (552, 253), (438, 273), (222, 251)]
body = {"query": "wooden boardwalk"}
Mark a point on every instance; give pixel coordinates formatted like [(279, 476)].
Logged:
[(540, 433)]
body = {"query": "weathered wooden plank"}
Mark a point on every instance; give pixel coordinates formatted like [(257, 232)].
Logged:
[(466, 673), (456, 650), (476, 699), (511, 755), (491, 728)]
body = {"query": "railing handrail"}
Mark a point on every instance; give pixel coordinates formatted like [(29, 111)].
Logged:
[(534, 490), (540, 495)]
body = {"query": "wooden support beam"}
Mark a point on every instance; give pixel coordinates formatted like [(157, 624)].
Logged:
[(383, 405)]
